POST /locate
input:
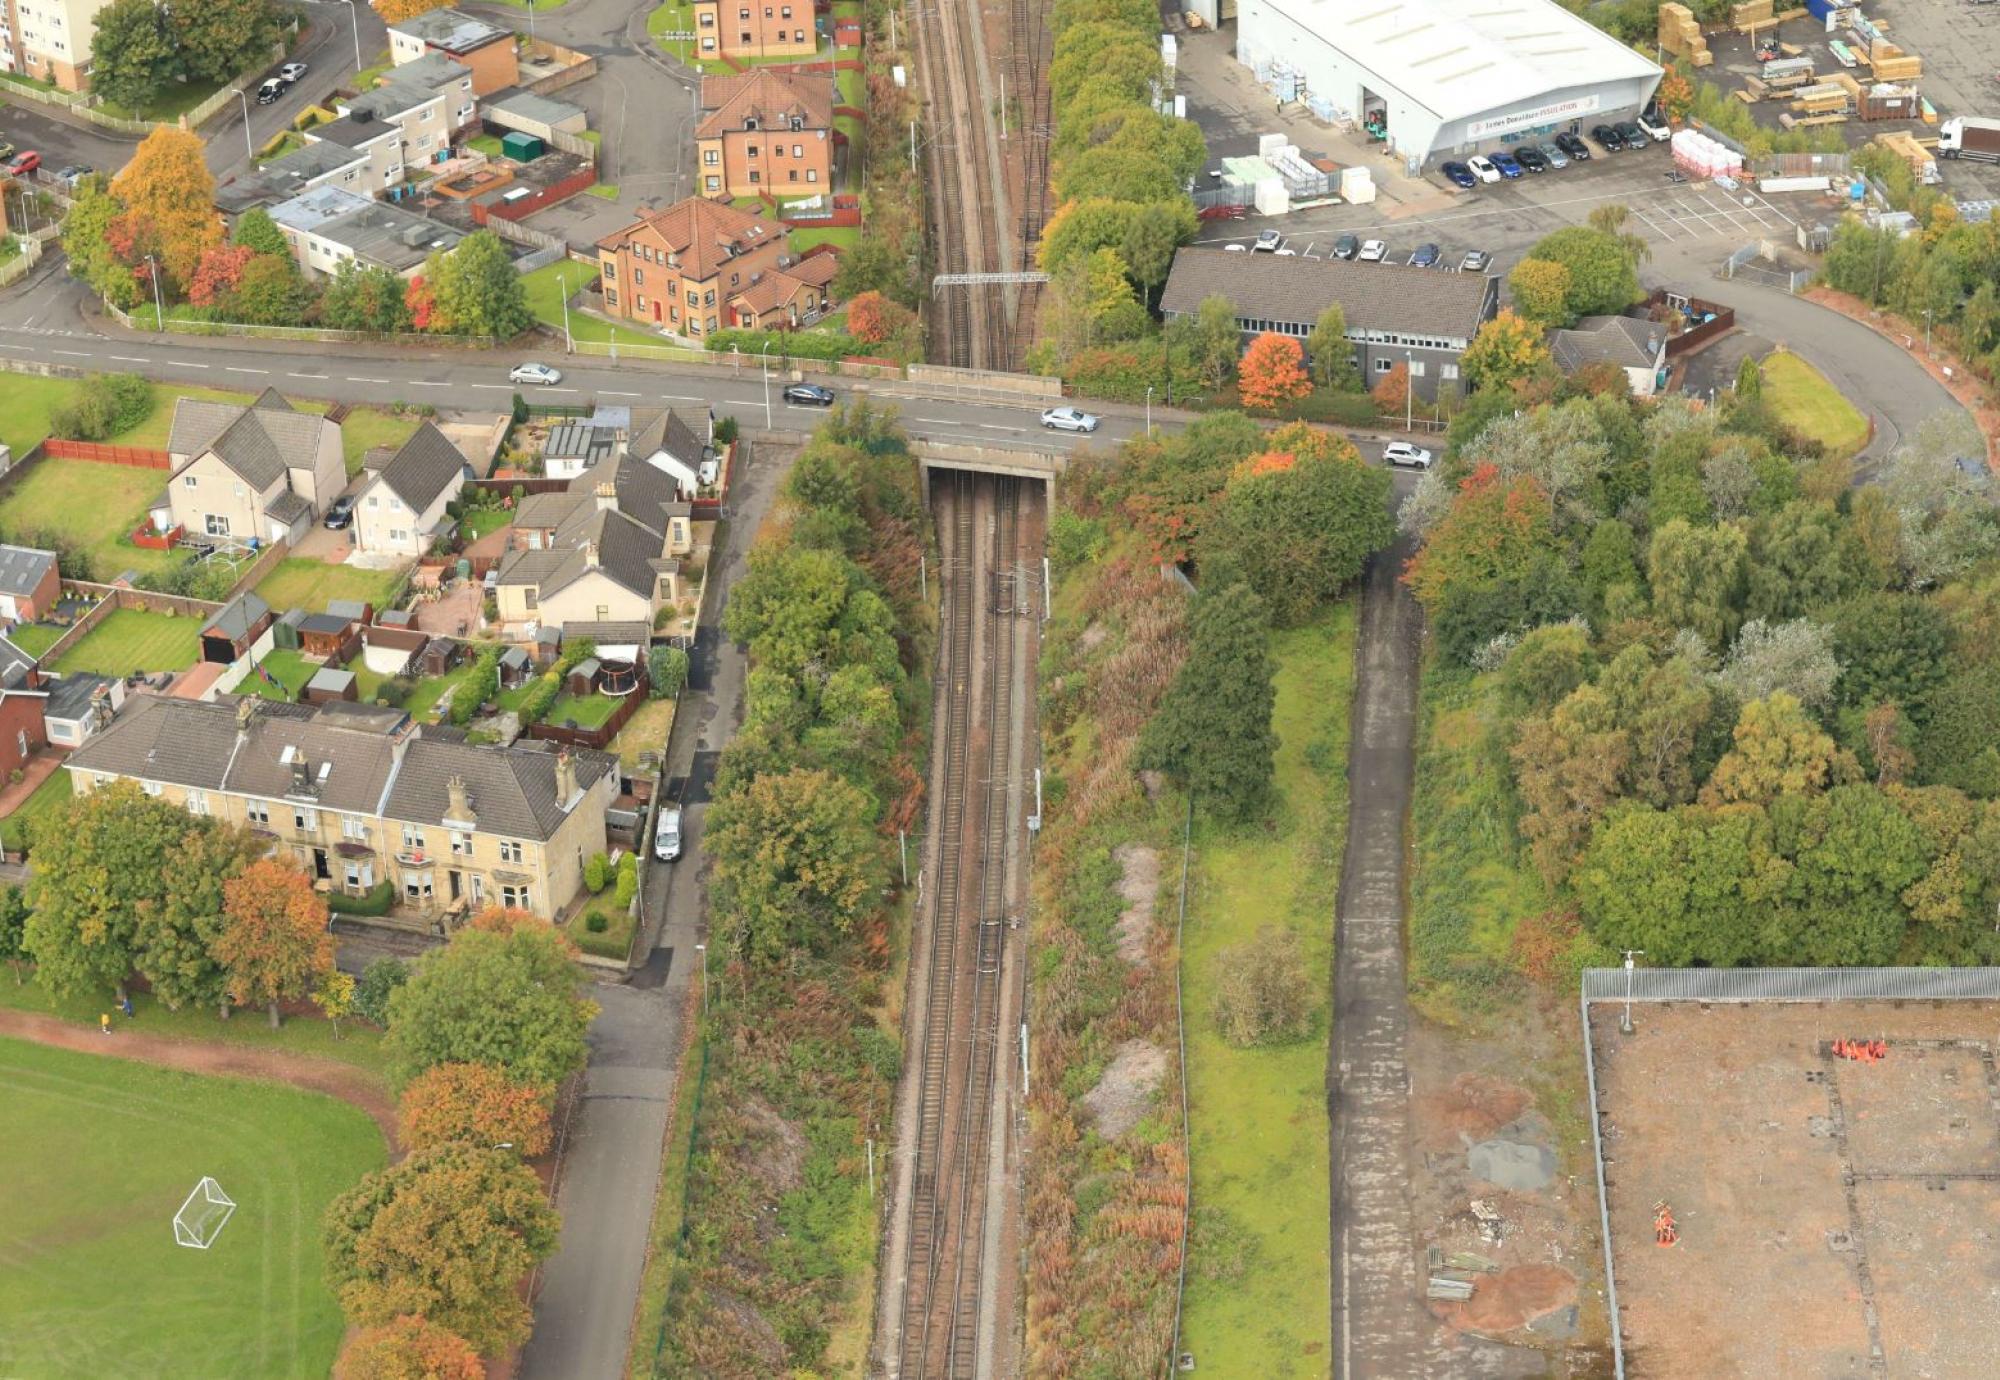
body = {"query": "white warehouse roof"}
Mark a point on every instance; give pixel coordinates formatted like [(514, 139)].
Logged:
[(1461, 58)]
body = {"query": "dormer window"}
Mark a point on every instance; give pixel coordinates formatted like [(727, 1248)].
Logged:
[(749, 122)]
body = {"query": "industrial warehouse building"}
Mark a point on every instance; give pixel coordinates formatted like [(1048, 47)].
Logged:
[(1440, 78)]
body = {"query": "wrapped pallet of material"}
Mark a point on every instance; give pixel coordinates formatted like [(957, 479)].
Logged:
[(1356, 186), (1750, 15)]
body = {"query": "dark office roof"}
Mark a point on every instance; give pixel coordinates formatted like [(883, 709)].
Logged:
[(423, 468), (235, 619), (23, 567), (284, 178), (1624, 341), (1375, 297), (512, 790)]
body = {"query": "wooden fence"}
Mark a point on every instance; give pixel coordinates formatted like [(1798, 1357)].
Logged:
[(139, 457), (111, 598), (528, 205), (601, 736)]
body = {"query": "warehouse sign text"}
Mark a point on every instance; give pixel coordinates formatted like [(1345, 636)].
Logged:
[(1528, 119)]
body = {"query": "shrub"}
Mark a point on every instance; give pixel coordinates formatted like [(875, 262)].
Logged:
[(597, 873), (628, 881), (725, 431), (377, 902), (597, 922), (104, 406), (378, 980), (667, 668), (785, 344), (1264, 996)]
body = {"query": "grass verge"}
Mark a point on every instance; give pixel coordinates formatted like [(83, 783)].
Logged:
[(1804, 401), (45, 797), (545, 288), (1257, 1119)]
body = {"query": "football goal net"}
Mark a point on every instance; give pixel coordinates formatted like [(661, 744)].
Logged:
[(200, 1219)]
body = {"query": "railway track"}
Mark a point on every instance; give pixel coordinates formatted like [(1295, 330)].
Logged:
[(941, 1326)]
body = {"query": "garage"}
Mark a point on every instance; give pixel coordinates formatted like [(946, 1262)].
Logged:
[(1438, 79)]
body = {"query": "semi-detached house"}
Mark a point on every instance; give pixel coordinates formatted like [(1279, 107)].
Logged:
[(403, 507), (358, 795), (259, 473)]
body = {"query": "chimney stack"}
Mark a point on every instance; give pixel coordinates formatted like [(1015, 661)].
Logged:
[(607, 495), (565, 779)]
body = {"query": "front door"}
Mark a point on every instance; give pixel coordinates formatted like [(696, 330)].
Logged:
[(454, 876), (656, 311), (319, 864)]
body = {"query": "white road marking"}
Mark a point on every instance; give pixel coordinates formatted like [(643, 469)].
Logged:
[(499, 387), (305, 376), (231, 368), (352, 379), (73, 354), (995, 426), (680, 397), (186, 364), (130, 359), (427, 383), (545, 390), (13, 347), (610, 393)]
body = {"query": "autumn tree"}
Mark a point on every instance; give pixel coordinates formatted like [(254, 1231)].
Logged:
[(1779, 750), (271, 292), (217, 275), (131, 53), (1272, 372), (513, 999), (178, 930), (274, 944), (168, 184), (1540, 289), (409, 1347), (873, 318), (366, 298), (1212, 732), (1332, 356), (1264, 994), (334, 995), (1392, 389), (795, 860), (476, 291), (447, 1234), (478, 1103), (1505, 349), (396, 11), (1492, 530)]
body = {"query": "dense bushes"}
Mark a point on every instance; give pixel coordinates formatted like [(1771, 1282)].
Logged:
[(104, 406)]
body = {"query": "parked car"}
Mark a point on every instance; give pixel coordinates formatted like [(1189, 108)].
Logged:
[(1509, 169), (1573, 145), (1237, 248), (340, 514), (667, 834), (1402, 453), (1530, 158), (534, 373), (1475, 261), (1556, 157), (1611, 140), (1482, 168), (1655, 125), (1459, 175), (270, 90), (6, 149), (809, 394), (1268, 242), (1425, 256), (72, 176), (1634, 137), (1373, 252), (23, 163), (291, 72), (1069, 419), (1346, 247)]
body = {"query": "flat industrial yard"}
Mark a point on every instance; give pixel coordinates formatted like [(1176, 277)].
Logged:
[(1836, 1218)]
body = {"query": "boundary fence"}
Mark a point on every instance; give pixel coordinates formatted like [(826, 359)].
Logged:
[(18, 266), (137, 457), (1744, 985)]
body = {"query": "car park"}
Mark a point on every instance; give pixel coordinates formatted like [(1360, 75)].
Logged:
[(291, 72), (1403, 454), (1608, 138), (1346, 247), (340, 514), (270, 91), (1573, 145), (1268, 242), (1634, 137), (809, 394), (1530, 158), (1475, 261), (1557, 159), (1069, 419), (1373, 252), (1459, 175), (1482, 168), (23, 163), (667, 834), (534, 373), (1425, 256), (1509, 169)]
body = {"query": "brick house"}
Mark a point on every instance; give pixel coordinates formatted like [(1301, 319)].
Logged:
[(687, 270), (766, 132), (486, 48), (29, 584), (755, 28), (23, 699)]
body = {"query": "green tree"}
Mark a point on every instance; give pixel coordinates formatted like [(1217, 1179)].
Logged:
[(1610, 559), (1152, 236), (1540, 289), (216, 39), (1545, 665), (1686, 885), (378, 980), (1602, 278), (271, 292), (131, 53), (177, 931), (363, 299), (666, 671), (14, 930), (476, 291), (1213, 339), (1959, 744), (99, 859), (476, 689), (1749, 379), (1803, 557), (796, 861), (1852, 854), (86, 243), (1891, 647), (1698, 577), (1506, 348), (258, 233), (1332, 362), (874, 265), (446, 1234), (1212, 732), (799, 606), (514, 999)]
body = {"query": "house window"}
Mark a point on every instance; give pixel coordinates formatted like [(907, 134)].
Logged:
[(754, 177), (750, 151), (793, 176), (197, 803), (478, 891), (610, 299), (417, 887), (798, 150), (413, 839), (638, 277), (360, 876), (709, 157), (1416, 368), (610, 270), (1447, 371), (515, 897), (510, 851), (216, 523), (305, 821), (352, 827), (528, 597), (258, 813), (190, 481), (715, 184), (1383, 364), (21, 744), (640, 301), (374, 502), (812, 174), (152, 788)]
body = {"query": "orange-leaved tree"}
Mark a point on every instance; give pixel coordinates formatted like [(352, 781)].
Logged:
[(1392, 390), (1506, 348), (410, 1347), (274, 946), (168, 184), (396, 11), (1272, 371), (873, 318), (478, 1103)]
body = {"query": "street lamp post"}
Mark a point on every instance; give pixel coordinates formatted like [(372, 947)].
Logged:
[(354, 15), (1149, 409), (1625, 1021), (764, 358), (249, 149), (1409, 393), (562, 285), (159, 312), (702, 949)]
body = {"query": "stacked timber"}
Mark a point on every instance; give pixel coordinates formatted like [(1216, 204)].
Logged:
[(1891, 63), (1680, 34), (1905, 146), (1750, 16)]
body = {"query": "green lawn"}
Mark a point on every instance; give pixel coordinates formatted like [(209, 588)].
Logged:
[(591, 711), (645, 731), (852, 86), (486, 144), (100, 1153), (35, 638), (134, 640), (25, 403), (174, 100), (1258, 1116), (423, 699), (368, 427), (46, 797), (287, 667), (615, 941), (483, 522), (607, 191), (545, 288), (300, 582), (843, 237), (1804, 401)]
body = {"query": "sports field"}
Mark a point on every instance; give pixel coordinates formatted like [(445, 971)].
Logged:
[(97, 1154)]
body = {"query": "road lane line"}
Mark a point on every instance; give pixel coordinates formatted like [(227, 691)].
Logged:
[(496, 387), (352, 379), (545, 390), (995, 426), (233, 369), (73, 354), (680, 397), (186, 364), (305, 376), (611, 394), (427, 383), (130, 359)]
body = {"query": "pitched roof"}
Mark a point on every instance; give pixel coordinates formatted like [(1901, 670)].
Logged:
[(512, 790), (259, 443), (1625, 341), (235, 619), (665, 430), (592, 538), (23, 567), (423, 468), (15, 665), (159, 738), (1375, 297), (287, 507), (641, 491), (611, 633), (701, 234), (770, 98)]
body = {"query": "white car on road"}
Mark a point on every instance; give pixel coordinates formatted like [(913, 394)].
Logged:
[(1069, 419), (1483, 168), (535, 373), (1403, 453)]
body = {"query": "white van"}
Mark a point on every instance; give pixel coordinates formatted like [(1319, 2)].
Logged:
[(667, 834)]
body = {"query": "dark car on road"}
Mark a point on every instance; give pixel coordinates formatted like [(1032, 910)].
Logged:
[(1460, 175), (1634, 137), (1347, 246), (1530, 157), (1574, 146), (1611, 140), (810, 394), (340, 514)]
